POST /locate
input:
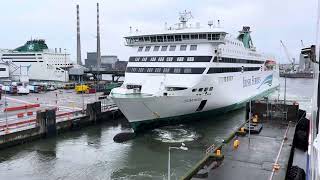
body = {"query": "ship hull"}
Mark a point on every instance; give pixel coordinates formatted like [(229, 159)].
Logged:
[(150, 111)]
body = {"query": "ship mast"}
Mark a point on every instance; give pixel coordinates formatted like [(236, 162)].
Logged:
[(184, 17)]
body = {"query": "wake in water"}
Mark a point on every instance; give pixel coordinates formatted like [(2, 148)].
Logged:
[(175, 134)]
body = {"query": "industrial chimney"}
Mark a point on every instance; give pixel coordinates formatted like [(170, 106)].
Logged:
[(98, 40), (78, 38)]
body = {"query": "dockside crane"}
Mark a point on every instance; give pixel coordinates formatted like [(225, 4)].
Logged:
[(291, 60)]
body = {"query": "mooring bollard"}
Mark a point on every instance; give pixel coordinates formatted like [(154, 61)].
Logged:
[(46, 120), (93, 110)]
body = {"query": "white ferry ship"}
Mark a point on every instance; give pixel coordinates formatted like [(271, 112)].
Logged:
[(36, 61), (186, 73)]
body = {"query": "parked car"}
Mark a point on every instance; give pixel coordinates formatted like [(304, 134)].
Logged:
[(21, 88)]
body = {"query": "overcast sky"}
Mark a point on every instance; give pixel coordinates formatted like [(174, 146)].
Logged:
[(55, 21)]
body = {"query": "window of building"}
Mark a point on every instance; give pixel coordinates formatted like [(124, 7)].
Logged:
[(202, 36), (194, 90), (170, 38), (200, 89), (140, 48), (160, 38), (180, 59), (137, 59), (190, 59), (150, 70), (157, 70), (156, 48), (147, 48), (193, 47), (186, 37), (177, 70), (161, 59), (205, 89), (177, 38), (165, 39), (169, 59), (209, 36), (187, 71), (141, 70), (194, 36), (172, 48), (140, 39), (183, 47), (166, 70), (147, 38), (211, 88), (153, 59), (164, 48), (153, 39), (144, 59), (134, 69)]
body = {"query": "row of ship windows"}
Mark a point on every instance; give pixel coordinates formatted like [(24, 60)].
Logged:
[(171, 59), (193, 59), (172, 38), (169, 70), (165, 48), (203, 89), (232, 69), (21, 54), (178, 70), (62, 64), (240, 52), (235, 60), (234, 43), (21, 58)]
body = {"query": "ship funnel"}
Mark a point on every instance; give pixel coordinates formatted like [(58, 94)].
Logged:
[(79, 62), (245, 37)]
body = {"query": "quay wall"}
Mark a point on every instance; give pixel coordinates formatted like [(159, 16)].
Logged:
[(47, 125)]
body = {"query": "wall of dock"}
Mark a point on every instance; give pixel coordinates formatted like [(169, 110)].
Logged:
[(47, 126)]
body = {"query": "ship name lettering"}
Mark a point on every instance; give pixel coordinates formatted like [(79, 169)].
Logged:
[(192, 100)]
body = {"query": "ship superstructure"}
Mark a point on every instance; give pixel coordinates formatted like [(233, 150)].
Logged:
[(186, 72), (36, 61)]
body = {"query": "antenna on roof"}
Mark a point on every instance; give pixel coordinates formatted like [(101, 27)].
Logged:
[(210, 23), (130, 29), (184, 17), (218, 23)]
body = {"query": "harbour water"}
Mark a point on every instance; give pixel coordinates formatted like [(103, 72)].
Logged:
[(90, 153)]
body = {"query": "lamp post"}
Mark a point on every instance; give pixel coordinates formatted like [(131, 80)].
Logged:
[(182, 147)]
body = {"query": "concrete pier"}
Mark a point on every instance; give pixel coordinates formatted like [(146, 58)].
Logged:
[(265, 154), (48, 125)]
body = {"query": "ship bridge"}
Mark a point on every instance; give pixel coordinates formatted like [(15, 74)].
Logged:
[(192, 35), (179, 34)]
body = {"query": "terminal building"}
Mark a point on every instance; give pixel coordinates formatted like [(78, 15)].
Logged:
[(108, 62)]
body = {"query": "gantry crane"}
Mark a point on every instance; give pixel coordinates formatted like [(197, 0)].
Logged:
[(291, 60)]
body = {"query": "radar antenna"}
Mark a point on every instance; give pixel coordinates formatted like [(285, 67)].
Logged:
[(184, 17)]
